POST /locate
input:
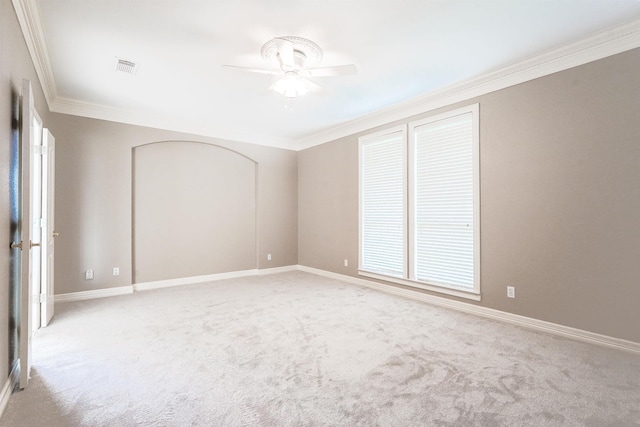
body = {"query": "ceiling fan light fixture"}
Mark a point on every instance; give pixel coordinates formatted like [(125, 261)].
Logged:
[(291, 85)]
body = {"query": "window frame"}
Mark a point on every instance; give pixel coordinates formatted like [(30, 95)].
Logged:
[(408, 278)]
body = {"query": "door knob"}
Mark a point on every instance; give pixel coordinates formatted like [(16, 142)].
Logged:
[(31, 244), (55, 234), (15, 245)]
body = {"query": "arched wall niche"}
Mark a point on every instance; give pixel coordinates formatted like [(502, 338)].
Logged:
[(194, 210)]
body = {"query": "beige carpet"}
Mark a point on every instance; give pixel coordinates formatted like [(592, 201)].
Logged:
[(295, 349)]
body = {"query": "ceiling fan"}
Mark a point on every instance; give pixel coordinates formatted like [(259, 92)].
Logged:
[(295, 58)]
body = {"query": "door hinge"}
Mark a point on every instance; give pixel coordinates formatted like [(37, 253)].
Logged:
[(42, 298), (42, 222), (39, 150)]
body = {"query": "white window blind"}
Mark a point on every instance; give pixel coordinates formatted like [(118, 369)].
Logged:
[(443, 209), (383, 203)]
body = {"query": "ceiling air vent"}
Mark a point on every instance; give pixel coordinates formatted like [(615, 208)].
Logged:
[(124, 66)]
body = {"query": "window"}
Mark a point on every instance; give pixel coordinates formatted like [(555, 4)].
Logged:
[(383, 207), (419, 204)]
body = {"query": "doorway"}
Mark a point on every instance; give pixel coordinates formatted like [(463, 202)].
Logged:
[(42, 233), (31, 200)]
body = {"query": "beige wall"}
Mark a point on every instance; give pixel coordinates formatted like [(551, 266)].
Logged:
[(94, 200), (328, 206), (560, 172), (15, 65)]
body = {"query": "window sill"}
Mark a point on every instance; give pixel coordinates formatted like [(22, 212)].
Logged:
[(453, 292)]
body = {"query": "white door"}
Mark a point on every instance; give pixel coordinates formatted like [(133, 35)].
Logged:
[(36, 219), (24, 334), (48, 233)]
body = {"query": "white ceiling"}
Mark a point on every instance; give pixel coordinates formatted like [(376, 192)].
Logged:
[(405, 50)]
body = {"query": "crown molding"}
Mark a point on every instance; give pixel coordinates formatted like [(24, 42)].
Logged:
[(31, 24), (600, 45), (74, 107)]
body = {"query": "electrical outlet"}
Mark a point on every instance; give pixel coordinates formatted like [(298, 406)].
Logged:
[(268, 257), (511, 292), (346, 263), (88, 275), (116, 271)]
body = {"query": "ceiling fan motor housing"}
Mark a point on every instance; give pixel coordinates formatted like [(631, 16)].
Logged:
[(305, 52)]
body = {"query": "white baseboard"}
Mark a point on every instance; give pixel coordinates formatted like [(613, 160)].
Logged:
[(275, 270), (515, 319), (9, 385), (210, 278), (97, 293), (159, 284)]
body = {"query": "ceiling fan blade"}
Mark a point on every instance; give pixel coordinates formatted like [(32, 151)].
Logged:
[(255, 70), (285, 53), (338, 70)]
